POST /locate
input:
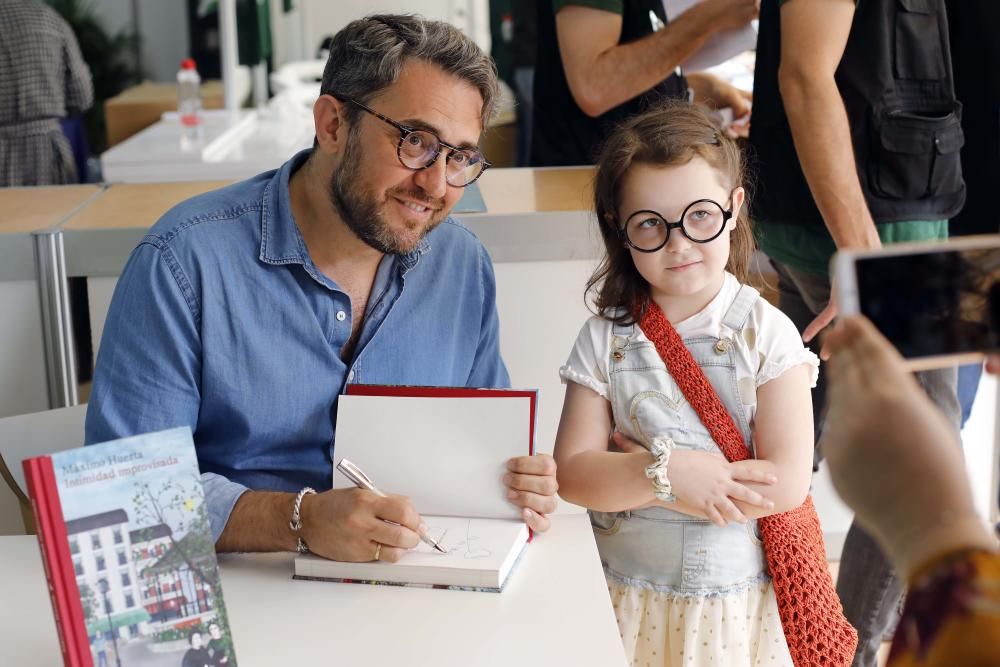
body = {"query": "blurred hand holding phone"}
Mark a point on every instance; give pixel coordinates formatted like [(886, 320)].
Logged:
[(938, 303)]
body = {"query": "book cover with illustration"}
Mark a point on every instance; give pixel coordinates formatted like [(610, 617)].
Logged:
[(129, 555)]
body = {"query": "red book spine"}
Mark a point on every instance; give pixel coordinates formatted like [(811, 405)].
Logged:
[(43, 528), (76, 636)]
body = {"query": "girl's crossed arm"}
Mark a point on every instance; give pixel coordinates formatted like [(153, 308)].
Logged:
[(594, 477), (783, 437)]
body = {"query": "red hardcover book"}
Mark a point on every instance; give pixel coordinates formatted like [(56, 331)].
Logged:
[(128, 552), (448, 456), (42, 498), (76, 632), (451, 392), (421, 391)]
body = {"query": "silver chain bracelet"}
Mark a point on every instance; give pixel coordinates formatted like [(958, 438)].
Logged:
[(296, 521)]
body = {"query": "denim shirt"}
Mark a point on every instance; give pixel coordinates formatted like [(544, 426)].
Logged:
[(222, 322)]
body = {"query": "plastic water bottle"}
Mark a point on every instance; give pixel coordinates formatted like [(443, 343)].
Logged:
[(189, 104)]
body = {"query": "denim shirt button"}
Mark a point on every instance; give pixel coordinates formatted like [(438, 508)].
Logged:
[(350, 376), (721, 346), (341, 316)]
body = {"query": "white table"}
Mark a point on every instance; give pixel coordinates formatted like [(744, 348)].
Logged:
[(234, 146), (554, 611)]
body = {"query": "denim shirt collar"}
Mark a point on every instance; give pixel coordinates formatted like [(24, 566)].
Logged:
[(282, 242)]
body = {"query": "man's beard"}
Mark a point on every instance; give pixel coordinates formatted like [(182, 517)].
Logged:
[(359, 209)]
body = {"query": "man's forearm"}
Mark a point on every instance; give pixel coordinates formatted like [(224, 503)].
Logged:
[(822, 136), (628, 70), (259, 522)]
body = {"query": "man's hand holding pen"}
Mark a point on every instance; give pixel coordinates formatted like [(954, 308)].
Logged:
[(358, 525), (363, 525)]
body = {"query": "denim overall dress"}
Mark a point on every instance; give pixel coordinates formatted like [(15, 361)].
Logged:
[(655, 547)]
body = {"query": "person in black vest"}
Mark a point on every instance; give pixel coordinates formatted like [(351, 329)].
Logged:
[(856, 135), (600, 61)]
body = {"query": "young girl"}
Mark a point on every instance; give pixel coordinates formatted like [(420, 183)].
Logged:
[(686, 573)]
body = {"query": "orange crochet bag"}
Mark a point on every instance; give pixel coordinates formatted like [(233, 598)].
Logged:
[(811, 614)]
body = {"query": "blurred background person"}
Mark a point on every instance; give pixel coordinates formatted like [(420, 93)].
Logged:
[(43, 79), (523, 50), (600, 61)]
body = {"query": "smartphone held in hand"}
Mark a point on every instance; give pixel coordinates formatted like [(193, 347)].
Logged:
[(937, 302)]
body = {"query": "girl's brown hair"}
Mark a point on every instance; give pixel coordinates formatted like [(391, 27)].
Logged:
[(668, 135)]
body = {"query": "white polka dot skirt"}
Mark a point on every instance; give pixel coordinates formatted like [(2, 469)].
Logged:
[(739, 629)]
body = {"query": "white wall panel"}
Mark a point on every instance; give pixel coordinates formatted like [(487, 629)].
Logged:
[(22, 350)]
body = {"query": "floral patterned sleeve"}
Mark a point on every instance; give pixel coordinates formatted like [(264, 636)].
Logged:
[(952, 614)]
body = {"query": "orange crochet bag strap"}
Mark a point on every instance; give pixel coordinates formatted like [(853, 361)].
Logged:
[(811, 614), (696, 388)]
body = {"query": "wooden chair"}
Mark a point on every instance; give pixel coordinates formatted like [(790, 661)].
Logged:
[(35, 434)]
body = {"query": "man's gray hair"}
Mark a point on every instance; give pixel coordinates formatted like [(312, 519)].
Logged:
[(368, 55)]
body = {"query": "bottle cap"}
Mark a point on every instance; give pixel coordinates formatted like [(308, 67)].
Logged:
[(187, 63)]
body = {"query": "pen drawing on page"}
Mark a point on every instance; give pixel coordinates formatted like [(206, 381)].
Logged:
[(471, 547)]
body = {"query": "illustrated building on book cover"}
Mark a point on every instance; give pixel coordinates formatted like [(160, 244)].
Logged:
[(128, 553)]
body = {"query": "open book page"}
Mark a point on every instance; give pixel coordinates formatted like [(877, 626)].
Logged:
[(718, 48), (480, 553), (470, 543), (448, 455)]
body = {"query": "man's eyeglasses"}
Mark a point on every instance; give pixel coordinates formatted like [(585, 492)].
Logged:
[(419, 149), (701, 222)]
